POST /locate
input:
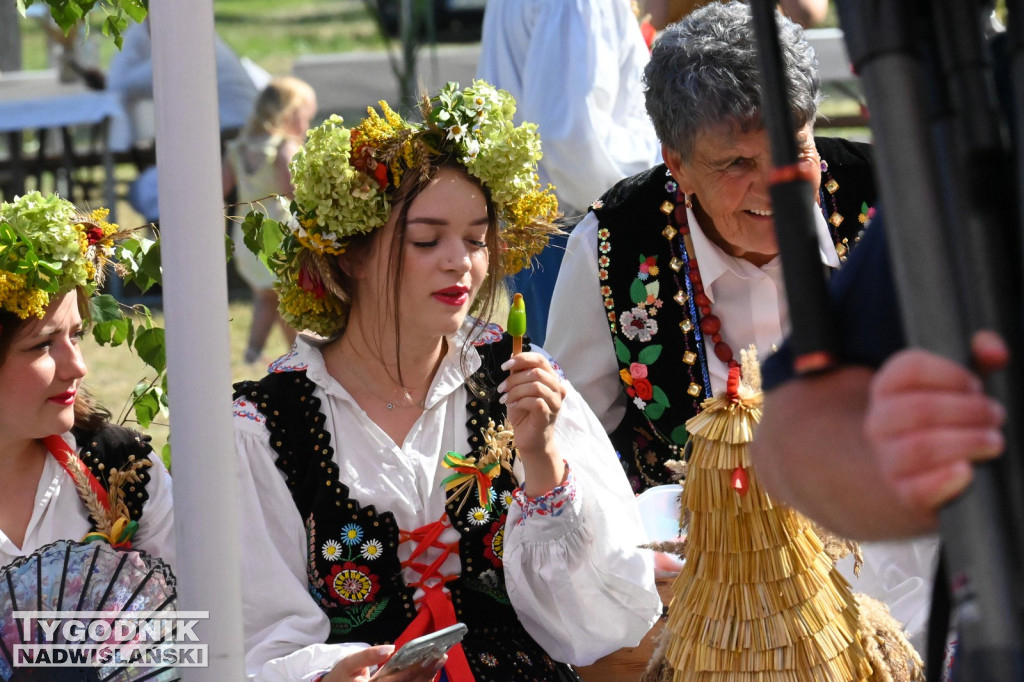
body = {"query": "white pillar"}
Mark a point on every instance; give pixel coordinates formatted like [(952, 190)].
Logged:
[(198, 350)]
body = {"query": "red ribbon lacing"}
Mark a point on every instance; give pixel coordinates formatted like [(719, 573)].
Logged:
[(435, 609)]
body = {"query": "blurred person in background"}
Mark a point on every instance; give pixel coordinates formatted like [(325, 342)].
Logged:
[(256, 167)]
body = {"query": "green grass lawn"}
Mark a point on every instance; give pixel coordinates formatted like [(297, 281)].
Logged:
[(114, 372)]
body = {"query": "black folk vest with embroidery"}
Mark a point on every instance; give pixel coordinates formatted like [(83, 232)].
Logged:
[(112, 447), (352, 566), (651, 314)]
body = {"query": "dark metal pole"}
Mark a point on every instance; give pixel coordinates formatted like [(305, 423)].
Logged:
[(813, 337), (887, 41)]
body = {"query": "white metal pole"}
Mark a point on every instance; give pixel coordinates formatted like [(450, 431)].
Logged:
[(196, 310)]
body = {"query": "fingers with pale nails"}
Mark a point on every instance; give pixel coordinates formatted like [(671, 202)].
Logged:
[(929, 420)]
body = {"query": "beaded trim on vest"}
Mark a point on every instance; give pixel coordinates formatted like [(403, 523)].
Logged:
[(111, 447)]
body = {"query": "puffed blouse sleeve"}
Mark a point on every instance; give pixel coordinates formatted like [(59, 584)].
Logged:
[(575, 574), (285, 629)]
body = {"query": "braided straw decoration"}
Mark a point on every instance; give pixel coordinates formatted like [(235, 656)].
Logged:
[(758, 599)]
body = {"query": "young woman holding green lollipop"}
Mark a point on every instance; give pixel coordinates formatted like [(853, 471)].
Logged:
[(384, 495)]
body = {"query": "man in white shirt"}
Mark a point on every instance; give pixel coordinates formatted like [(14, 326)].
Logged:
[(575, 69)]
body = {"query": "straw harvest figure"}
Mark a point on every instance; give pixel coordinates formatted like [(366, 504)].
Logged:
[(759, 598)]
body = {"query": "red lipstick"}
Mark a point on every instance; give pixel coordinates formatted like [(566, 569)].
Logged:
[(454, 296), (65, 398)]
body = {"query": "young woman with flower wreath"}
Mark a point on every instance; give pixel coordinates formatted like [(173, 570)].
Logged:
[(66, 472), (404, 471)]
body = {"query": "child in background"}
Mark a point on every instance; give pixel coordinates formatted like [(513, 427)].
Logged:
[(256, 163)]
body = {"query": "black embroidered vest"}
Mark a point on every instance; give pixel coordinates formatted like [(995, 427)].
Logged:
[(650, 307), (111, 447), (353, 568)]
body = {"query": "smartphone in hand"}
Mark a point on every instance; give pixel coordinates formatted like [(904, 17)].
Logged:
[(422, 649)]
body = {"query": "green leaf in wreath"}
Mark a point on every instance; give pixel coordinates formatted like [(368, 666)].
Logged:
[(104, 308), (654, 410), (638, 292), (650, 354), (621, 352)]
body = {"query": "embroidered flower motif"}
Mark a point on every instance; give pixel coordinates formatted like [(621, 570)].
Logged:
[(597, 204), (351, 534), (636, 324), (646, 268), (331, 550), (490, 660), (640, 404), (603, 233), (604, 261), (478, 516), (489, 333), (606, 290), (643, 388), (609, 303), (637, 370), (371, 549), (353, 584), (490, 578), (603, 274), (605, 247), (494, 542), (506, 498)]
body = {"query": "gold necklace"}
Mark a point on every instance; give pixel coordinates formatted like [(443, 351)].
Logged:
[(365, 385)]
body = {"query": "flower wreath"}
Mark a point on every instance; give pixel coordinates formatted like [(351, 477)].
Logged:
[(47, 248), (346, 178)]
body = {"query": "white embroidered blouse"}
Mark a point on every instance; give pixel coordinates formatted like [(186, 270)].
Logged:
[(577, 580)]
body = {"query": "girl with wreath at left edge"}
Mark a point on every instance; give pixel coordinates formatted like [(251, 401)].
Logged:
[(49, 425), (382, 496)]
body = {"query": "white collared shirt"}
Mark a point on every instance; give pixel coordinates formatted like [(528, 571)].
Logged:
[(60, 514)]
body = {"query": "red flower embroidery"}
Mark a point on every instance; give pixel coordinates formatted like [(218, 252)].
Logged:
[(494, 541), (352, 584), (643, 388)]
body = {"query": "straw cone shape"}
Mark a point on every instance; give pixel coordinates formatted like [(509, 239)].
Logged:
[(758, 599)]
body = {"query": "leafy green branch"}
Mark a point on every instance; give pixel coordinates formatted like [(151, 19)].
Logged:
[(114, 323), (69, 13)]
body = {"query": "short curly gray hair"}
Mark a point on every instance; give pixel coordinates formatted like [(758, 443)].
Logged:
[(704, 71)]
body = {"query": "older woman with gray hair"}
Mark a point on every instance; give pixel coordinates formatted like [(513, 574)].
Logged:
[(674, 270)]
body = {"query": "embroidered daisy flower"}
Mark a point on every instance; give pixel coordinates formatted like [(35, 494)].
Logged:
[(371, 549), (478, 516), (331, 550), (490, 578), (636, 324), (351, 534), (507, 498)]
